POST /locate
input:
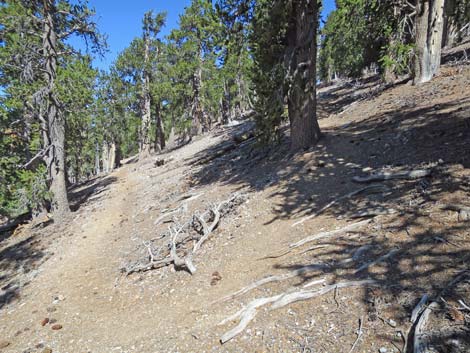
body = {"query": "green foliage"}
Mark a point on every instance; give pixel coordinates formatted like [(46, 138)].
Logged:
[(268, 41)]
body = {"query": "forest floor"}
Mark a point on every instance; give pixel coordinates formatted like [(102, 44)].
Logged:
[(73, 274)]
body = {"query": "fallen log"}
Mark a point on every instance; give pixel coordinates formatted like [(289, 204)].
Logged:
[(13, 224), (382, 176)]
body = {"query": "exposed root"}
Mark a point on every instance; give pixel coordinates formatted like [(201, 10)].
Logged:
[(370, 188), (248, 313), (332, 233), (406, 174), (277, 278), (382, 258)]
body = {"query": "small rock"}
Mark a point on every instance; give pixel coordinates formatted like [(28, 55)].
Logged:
[(392, 323), (47, 350), (4, 344), (44, 321), (383, 350), (56, 327), (52, 321)]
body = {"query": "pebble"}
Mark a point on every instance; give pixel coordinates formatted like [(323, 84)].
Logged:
[(47, 350), (56, 327), (4, 344), (383, 350), (44, 321)]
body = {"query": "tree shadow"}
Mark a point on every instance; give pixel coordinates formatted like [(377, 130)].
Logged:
[(430, 245), (18, 263), (80, 194)]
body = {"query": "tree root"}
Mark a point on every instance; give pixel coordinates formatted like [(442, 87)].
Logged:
[(382, 176), (370, 188), (332, 233), (248, 313)]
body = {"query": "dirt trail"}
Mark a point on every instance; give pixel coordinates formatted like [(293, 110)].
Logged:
[(72, 273)]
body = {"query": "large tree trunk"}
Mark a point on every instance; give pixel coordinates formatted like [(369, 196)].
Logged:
[(97, 159), (54, 136), (451, 31), (105, 157), (117, 155), (145, 143), (196, 109), (302, 35), (159, 130), (429, 28)]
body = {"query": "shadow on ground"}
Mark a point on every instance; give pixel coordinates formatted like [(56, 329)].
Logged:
[(80, 194), (428, 252)]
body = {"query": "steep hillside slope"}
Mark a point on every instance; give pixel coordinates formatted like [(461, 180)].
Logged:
[(412, 239)]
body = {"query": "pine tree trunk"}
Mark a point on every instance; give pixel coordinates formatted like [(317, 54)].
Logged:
[(145, 144), (450, 32), (429, 28), (97, 159), (196, 109), (117, 155), (111, 157), (304, 127), (54, 136), (159, 130), (105, 157)]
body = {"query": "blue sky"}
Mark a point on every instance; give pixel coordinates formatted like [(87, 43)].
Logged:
[(121, 21)]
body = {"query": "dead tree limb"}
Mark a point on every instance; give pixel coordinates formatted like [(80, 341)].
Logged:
[(370, 188), (348, 228), (422, 341), (382, 176), (178, 261)]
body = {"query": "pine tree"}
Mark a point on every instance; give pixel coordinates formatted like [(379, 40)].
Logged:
[(45, 26), (284, 49)]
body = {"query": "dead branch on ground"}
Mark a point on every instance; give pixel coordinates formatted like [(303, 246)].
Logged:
[(175, 248)]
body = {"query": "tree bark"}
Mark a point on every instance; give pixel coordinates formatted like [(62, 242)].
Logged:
[(429, 28), (54, 135), (302, 35), (450, 32), (159, 129), (145, 144), (196, 104)]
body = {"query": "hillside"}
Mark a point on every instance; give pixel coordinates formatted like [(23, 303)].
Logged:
[(413, 238)]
